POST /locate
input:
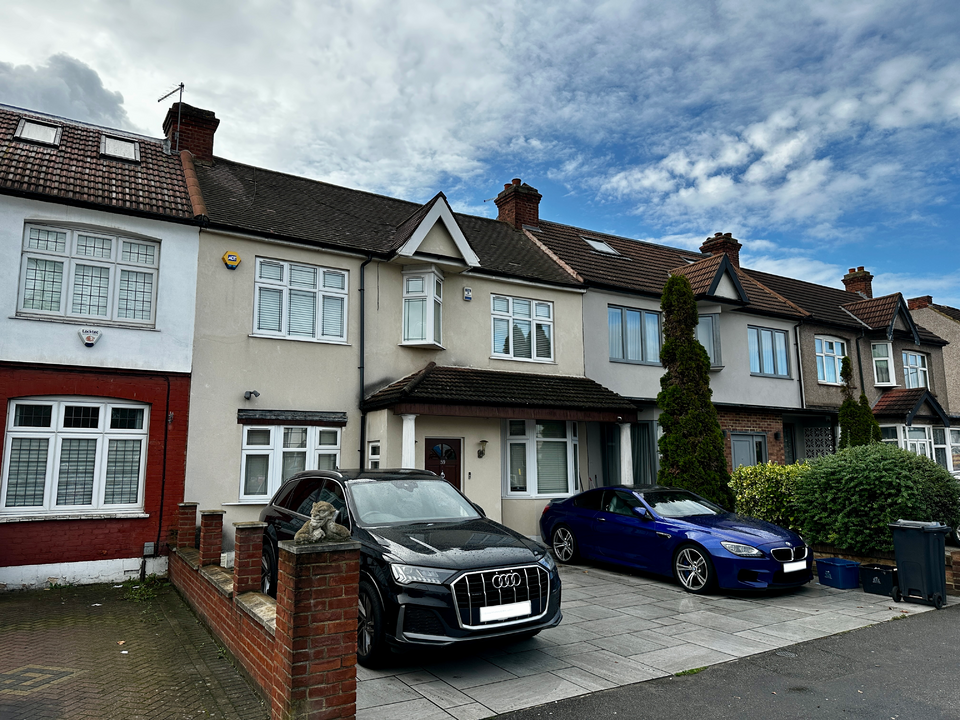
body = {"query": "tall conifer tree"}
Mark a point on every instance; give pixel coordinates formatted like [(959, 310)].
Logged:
[(691, 447)]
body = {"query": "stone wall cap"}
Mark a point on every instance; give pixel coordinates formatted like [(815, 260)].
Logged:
[(213, 512), (296, 549), (187, 504), (250, 524)]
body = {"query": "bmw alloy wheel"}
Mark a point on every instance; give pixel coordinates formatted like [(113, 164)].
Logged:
[(693, 569), (564, 544)]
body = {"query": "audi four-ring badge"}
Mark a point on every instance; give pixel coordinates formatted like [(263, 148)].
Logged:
[(433, 569)]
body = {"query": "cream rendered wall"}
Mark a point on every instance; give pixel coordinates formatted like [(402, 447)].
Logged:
[(732, 384), (167, 347), (289, 374)]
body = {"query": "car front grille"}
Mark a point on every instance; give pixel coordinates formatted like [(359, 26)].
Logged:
[(421, 621), (790, 554), (504, 586)]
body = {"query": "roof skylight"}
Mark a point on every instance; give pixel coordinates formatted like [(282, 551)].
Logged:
[(599, 245), (38, 132), (120, 148)]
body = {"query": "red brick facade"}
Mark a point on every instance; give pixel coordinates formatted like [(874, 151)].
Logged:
[(769, 424), (39, 542), (519, 205)]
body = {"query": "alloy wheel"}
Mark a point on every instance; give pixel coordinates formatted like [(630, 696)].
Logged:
[(365, 624), (564, 544), (693, 569)]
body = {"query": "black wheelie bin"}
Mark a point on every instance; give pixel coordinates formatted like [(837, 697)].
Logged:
[(921, 566)]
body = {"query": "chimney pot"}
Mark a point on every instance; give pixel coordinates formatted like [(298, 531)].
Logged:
[(723, 243), (852, 270), (519, 205), (860, 268), (859, 281)]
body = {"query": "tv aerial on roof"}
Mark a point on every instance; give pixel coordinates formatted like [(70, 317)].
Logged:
[(178, 88)]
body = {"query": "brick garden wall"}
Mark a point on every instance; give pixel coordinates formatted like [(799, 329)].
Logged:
[(39, 542), (951, 563), (299, 650)]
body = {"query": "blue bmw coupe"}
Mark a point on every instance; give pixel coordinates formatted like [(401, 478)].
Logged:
[(675, 532)]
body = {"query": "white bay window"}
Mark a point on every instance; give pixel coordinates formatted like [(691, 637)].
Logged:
[(423, 307), (915, 370)]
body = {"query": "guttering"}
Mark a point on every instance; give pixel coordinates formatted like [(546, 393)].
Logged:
[(363, 413)]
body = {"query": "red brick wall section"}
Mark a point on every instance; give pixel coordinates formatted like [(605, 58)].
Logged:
[(247, 546), (306, 666), (186, 525), (211, 536), (60, 541), (754, 422)]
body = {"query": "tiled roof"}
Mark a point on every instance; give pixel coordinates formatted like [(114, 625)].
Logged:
[(824, 304), (701, 274), (316, 213), (906, 403), (470, 386), (951, 312), (76, 173), (876, 313)]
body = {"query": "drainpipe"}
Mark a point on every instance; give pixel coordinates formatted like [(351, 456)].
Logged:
[(796, 334), (863, 388), (363, 413)]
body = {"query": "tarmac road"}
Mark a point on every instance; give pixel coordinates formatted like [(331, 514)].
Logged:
[(903, 670)]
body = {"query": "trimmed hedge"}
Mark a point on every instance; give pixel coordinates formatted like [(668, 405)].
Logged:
[(767, 492), (847, 499)]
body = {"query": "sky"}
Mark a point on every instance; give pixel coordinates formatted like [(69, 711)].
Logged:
[(822, 134)]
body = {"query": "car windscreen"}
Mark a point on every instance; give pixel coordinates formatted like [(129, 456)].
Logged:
[(408, 501), (679, 503)]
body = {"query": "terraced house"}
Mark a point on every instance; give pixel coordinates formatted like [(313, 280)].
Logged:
[(98, 258)]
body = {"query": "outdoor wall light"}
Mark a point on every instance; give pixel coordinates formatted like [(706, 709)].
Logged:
[(776, 436), (250, 393), (483, 449)]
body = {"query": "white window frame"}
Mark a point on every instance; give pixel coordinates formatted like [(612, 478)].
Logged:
[(643, 313), (373, 454), (529, 442), (25, 128), (56, 433), (825, 357), (431, 295), (274, 450), (69, 258), (285, 287), (715, 362), (891, 370), (777, 371), (920, 370), (503, 309)]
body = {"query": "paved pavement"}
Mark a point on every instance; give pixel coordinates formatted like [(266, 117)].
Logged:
[(900, 670), (86, 652), (618, 629)]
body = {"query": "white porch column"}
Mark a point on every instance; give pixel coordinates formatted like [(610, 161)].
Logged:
[(626, 455), (408, 446)]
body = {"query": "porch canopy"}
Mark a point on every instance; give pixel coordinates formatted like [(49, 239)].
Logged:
[(471, 392)]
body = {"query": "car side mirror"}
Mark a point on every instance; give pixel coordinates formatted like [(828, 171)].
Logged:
[(641, 513), (478, 509)]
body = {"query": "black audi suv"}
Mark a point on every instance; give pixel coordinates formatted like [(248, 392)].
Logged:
[(433, 569)]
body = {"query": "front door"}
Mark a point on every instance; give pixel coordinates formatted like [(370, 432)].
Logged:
[(443, 458)]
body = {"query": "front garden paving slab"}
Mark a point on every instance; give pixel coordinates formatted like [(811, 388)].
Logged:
[(620, 628), (66, 643)]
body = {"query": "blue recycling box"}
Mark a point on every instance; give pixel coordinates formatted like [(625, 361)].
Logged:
[(839, 573)]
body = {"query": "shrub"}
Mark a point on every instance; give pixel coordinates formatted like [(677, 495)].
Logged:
[(847, 499), (767, 492)]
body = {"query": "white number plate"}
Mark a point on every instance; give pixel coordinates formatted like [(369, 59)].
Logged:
[(503, 612), (788, 567)]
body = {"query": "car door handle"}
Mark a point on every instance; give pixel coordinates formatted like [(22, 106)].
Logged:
[(664, 535), (601, 519)]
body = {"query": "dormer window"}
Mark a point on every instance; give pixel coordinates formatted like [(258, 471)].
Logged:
[(120, 148), (37, 132), (599, 245), (423, 307)]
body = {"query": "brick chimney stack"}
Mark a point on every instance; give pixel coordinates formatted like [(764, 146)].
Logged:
[(723, 243), (197, 128), (918, 303), (519, 205), (859, 281)]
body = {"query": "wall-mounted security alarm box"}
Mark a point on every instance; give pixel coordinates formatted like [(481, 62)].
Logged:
[(89, 336), (468, 294), (231, 260)]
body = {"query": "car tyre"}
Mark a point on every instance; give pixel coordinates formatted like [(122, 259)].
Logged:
[(268, 569), (565, 545), (693, 569), (371, 646)]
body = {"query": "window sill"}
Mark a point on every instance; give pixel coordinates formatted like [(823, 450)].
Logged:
[(886, 385), (84, 322), (829, 384), (523, 360), (771, 377), (716, 368), (423, 345), (131, 515), (299, 339), (247, 502), (648, 363)]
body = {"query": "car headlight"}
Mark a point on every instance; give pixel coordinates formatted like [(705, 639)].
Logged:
[(406, 574), (741, 549), (548, 562)]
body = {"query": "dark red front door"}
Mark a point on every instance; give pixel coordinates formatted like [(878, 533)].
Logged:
[(443, 458)]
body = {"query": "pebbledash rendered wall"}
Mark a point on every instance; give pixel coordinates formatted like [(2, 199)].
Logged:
[(99, 546)]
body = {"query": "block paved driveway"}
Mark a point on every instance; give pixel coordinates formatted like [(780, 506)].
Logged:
[(61, 658), (618, 628)]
